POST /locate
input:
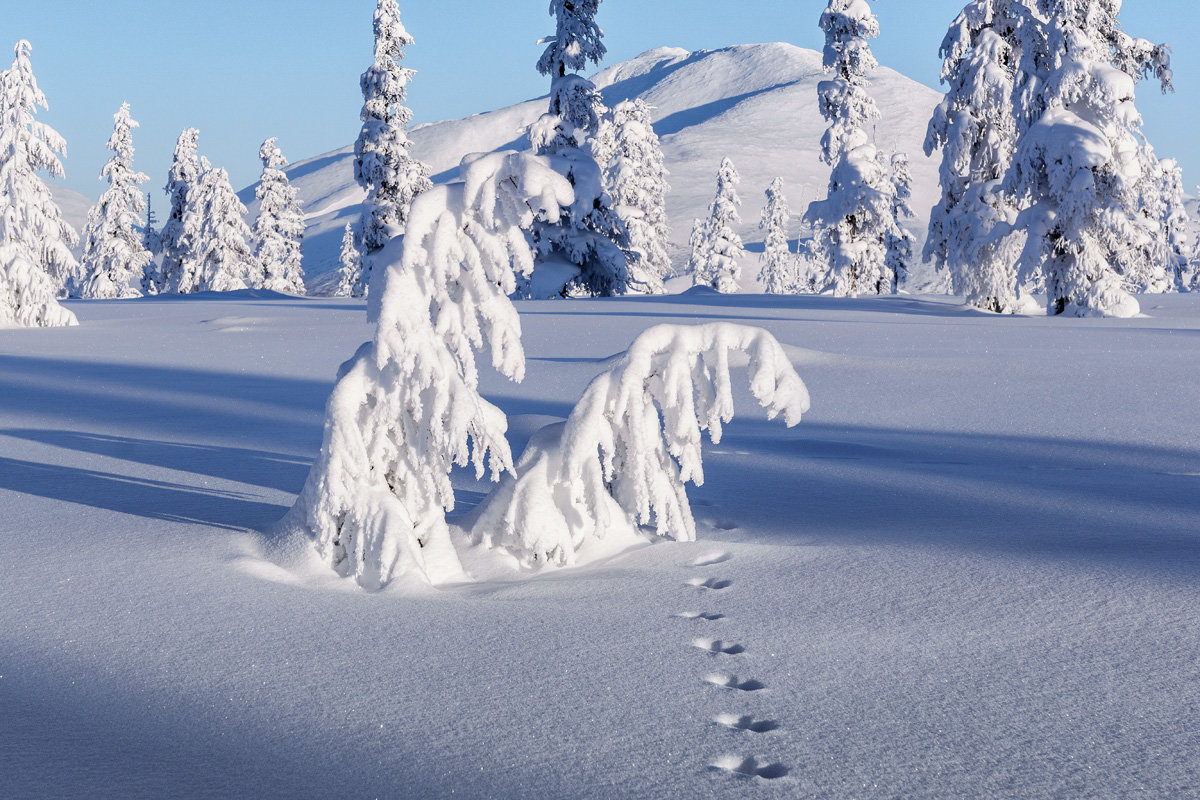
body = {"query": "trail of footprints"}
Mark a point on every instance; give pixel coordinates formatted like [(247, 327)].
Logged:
[(736, 765)]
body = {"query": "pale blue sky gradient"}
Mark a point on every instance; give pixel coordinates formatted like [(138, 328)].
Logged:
[(243, 71)]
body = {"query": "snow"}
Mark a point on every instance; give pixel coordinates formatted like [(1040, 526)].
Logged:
[(754, 103), (969, 571)]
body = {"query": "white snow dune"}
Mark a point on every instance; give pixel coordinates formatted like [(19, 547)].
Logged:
[(971, 571), (755, 103)]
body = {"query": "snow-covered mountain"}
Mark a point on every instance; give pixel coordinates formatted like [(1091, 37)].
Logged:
[(755, 103)]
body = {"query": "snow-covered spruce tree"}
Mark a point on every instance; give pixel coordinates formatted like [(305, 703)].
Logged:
[(33, 223), (778, 272), (173, 246), (584, 242), (114, 256), (1076, 168), (1153, 265), (219, 258), (350, 266), (975, 127), (716, 247), (899, 240), (383, 163), (622, 458), (407, 408), (635, 177), (279, 228), (856, 221)]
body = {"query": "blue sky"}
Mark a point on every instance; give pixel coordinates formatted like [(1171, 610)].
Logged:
[(242, 71)]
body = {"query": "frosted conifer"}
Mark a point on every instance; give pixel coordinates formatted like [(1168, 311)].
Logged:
[(174, 247), (716, 246), (219, 257), (279, 228), (1076, 171), (115, 258), (32, 222), (778, 272), (585, 238), (635, 177), (350, 266), (383, 163), (975, 127), (857, 220), (899, 240)]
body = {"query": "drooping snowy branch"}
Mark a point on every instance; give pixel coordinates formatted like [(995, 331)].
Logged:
[(115, 258), (623, 457), (407, 409)]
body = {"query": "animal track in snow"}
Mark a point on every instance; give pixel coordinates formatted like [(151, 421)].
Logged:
[(750, 767), (746, 723), (702, 615), (714, 584), (710, 559), (716, 646), (733, 682)]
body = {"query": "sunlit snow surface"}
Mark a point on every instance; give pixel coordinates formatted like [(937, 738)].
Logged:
[(971, 571)]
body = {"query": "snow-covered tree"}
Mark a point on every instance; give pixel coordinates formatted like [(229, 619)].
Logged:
[(716, 247), (899, 240), (114, 255), (778, 272), (1154, 262), (383, 162), (407, 408), (172, 243), (1077, 169), (635, 177), (350, 266), (633, 441), (279, 228), (32, 222), (856, 221), (584, 241), (219, 258), (27, 294), (975, 127)]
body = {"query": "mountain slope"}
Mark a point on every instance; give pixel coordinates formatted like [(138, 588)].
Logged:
[(755, 103)]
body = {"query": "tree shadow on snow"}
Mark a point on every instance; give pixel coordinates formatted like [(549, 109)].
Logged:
[(1109, 504), (142, 497), (243, 465)]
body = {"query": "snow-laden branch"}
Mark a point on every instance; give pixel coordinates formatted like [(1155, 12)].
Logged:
[(622, 458)]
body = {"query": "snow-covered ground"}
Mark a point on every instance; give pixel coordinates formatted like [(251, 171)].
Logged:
[(971, 571), (755, 103)]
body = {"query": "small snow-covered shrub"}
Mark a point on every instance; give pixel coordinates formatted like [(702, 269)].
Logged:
[(623, 456), (406, 408)]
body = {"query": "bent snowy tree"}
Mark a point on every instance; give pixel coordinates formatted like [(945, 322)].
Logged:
[(407, 408), (622, 458)]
